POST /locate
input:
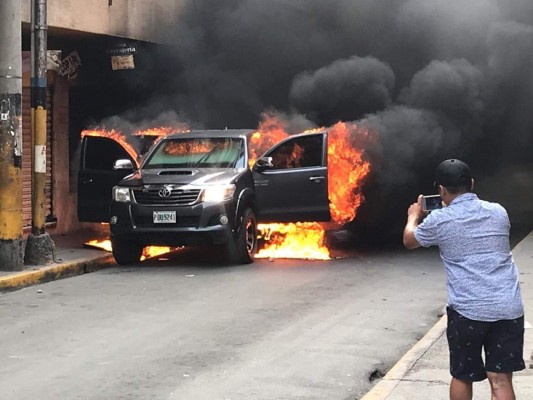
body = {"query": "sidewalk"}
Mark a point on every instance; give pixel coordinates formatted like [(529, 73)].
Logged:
[(71, 259), (422, 373)]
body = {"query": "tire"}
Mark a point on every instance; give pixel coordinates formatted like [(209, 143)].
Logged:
[(243, 245), (126, 251)]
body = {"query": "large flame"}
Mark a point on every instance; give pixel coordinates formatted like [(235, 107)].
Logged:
[(346, 173), (347, 170), (304, 240)]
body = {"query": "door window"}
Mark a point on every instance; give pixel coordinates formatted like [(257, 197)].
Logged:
[(101, 153), (302, 152)]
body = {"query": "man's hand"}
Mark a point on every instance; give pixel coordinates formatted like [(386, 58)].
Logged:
[(414, 213), (415, 210)]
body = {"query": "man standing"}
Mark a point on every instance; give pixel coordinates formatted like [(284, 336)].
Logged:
[(485, 309)]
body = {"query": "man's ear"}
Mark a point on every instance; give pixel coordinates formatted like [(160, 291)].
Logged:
[(442, 190), (472, 185)]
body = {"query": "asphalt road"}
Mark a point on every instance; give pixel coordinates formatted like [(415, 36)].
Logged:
[(184, 329)]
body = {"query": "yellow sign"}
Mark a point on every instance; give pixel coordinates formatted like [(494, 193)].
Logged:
[(122, 62)]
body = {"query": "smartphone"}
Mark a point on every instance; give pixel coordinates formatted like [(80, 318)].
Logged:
[(432, 202)]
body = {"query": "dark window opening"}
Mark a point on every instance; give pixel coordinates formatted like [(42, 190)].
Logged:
[(301, 152), (101, 153)]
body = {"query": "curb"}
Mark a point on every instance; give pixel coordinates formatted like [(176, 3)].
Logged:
[(54, 272), (395, 375)]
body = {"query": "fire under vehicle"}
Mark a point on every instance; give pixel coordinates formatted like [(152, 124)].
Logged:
[(200, 187)]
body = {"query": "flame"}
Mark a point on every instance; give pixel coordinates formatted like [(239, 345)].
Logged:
[(148, 251), (304, 240), (346, 172), (271, 131), (162, 130), (101, 244), (154, 251)]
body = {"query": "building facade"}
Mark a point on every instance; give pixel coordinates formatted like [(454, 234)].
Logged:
[(94, 47)]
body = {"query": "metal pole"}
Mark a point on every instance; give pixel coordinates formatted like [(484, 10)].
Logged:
[(11, 239), (39, 246)]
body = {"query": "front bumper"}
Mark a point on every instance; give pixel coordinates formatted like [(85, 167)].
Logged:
[(197, 224)]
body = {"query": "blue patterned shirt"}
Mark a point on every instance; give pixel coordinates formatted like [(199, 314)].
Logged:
[(473, 239)]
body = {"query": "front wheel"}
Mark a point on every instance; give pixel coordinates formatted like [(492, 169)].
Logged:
[(126, 251), (243, 244)]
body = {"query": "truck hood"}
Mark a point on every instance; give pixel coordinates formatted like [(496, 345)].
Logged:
[(192, 177)]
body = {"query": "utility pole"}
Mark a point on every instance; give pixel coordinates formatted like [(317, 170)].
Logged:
[(39, 246), (11, 239)]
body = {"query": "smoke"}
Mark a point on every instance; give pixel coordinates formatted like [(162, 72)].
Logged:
[(342, 89), (433, 78), (132, 122)]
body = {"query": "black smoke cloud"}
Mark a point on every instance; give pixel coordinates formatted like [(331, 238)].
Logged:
[(342, 89), (433, 78)]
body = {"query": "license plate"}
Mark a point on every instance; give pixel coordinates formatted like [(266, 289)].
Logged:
[(164, 217)]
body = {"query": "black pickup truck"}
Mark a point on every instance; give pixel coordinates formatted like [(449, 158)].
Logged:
[(198, 188)]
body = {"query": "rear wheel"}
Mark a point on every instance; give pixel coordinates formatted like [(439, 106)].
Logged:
[(126, 251), (243, 245)]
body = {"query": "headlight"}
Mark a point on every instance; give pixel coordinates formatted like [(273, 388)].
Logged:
[(217, 194), (121, 194)]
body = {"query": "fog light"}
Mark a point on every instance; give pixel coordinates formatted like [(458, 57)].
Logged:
[(113, 220), (224, 219)]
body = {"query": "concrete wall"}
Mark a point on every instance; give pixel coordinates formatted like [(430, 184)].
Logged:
[(135, 19)]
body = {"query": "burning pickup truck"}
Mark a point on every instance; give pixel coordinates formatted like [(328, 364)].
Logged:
[(202, 187)]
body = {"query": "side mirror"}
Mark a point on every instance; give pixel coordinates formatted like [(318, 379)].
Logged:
[(123, 164), (263, 163)]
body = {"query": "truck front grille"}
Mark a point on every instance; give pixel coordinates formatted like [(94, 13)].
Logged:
[(177, 197)]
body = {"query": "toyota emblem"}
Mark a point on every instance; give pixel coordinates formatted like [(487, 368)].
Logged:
[(165, 192)]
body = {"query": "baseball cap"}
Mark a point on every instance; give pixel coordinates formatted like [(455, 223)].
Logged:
[(452, 172)]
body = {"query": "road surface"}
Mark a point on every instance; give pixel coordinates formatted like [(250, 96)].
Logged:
[(182, 328)]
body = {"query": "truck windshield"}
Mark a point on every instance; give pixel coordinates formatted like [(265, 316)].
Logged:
[(198, 153)]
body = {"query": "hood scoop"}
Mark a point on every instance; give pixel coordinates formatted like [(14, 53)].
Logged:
[(178, 172)]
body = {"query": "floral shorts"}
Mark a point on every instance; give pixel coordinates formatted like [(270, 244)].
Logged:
[(502, 342)]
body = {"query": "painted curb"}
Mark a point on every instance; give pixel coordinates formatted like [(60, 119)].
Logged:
[(395, 375), (54, 272)]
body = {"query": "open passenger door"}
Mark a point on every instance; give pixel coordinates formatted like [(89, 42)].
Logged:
[(96, 176), (291, 180)]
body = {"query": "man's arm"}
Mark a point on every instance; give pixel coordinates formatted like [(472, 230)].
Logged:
[(414, 213)]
